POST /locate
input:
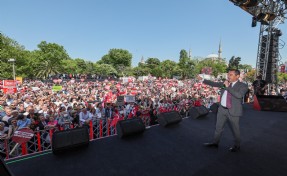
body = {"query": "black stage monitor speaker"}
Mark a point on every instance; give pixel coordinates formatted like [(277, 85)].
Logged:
[(168, 118), (272, 103), (214, 107), (4, 171), (130, 127), (198, 111), (70, 139)]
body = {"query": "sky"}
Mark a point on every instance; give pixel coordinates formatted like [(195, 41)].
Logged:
[(88, 29)]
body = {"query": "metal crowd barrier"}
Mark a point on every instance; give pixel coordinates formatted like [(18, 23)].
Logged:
[(41, 141)]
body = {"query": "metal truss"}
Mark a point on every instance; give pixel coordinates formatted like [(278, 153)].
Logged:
[(270, 13)]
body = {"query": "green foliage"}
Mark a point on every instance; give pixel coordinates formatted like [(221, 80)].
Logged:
[(141, 71), (46, 68), (105, 69), (80, 65), (157, 71), (152, 63), (52, 52), (282, 78), (250, 76), (218, 67), (168, 68), (69, 66), (185, 64), (234, 62), (245, 67), (183, 54), (9, 48), (51, 58), (117, 57)]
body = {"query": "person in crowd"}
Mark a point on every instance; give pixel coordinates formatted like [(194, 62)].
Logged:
[(153, 95), (3, 131), (8, 116), (109, 111), (85, 116), (23, 121), (259, 86), (43, 122), (64, 118), (21, 108), (53, 123), (100, 111), (12, 128), (27, 102)]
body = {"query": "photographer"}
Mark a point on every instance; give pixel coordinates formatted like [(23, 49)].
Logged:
[(259, 86)]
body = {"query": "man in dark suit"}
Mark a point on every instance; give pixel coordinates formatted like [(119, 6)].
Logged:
[(109, 111), (230, 108)]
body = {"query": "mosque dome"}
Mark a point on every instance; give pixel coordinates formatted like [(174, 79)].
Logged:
[(212, 56)]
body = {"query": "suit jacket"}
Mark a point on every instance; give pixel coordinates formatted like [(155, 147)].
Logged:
[(42, 126), (108, 112), (237, 92)]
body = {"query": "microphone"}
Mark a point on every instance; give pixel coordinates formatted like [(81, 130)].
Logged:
[(224, 86)]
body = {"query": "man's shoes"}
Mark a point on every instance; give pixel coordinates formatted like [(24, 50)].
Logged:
[(234, 149), (211, 145)]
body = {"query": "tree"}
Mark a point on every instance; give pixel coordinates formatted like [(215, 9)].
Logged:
[(117, 57), (245, 67), (217, 67), (183, 54), (46, 68), (69, 66), (157, 71), (30, 65), (234, 63), (49, 59), (141, 71), (250, 76), (282, 78), (105, 69), (152, 63), (185, 64), (168, 67), (9, 48), (81, 65), (89, 67), (52, 52)]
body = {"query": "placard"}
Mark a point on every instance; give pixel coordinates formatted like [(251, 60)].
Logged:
[(120, 100), (130, 98)]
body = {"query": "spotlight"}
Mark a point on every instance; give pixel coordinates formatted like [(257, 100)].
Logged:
[(264, 18), (250, 3), (254, 22), (245, 3)]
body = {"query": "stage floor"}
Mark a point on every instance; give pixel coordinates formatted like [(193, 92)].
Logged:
[(176, 150)]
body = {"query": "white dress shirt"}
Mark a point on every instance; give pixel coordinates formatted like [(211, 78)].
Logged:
[(224, 96)]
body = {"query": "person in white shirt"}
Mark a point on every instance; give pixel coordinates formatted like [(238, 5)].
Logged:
[(100, 111), (85, 116)]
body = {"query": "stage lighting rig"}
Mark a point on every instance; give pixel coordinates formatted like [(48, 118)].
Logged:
[(263, 11), (269, 13)]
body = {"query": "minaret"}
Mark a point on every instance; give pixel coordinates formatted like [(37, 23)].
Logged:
[(189, 53), (219, 50), (142, 60)]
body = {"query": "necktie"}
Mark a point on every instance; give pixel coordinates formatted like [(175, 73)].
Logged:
[(228, 99)]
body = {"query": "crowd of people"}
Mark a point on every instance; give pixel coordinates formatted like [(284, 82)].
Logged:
[(36, 105)]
